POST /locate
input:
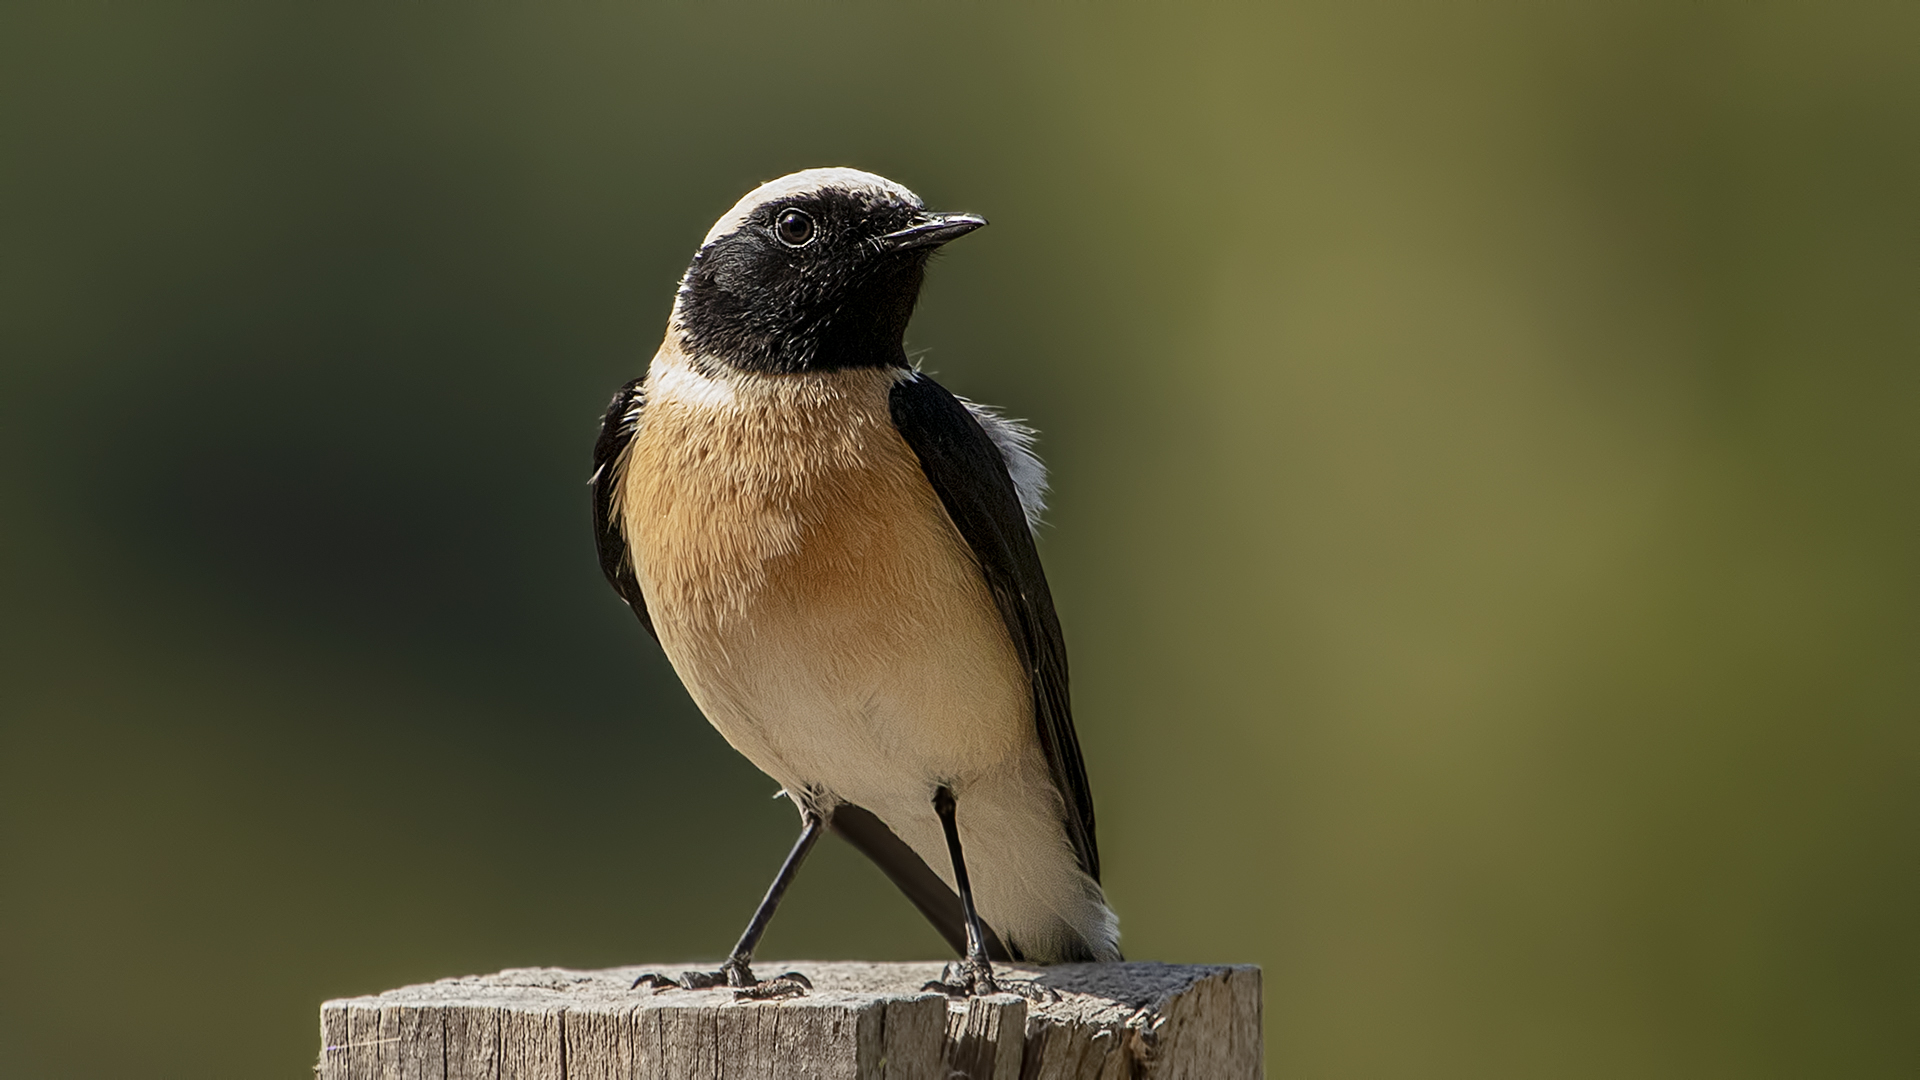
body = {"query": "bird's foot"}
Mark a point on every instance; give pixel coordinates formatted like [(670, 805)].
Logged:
[(732, 973), (736, 974), (965, 978), (791, 984)]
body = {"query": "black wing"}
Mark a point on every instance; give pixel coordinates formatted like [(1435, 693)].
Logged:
[(616, 431), (971, 478)]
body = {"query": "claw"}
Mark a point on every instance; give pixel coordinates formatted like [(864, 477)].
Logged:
[(734, 973), (738, 977)]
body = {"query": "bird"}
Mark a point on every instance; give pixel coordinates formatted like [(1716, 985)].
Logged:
[(837, 557)]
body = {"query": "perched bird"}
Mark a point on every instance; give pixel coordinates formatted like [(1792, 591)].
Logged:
[(837, 556)]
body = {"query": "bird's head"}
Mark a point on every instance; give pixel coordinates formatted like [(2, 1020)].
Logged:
[(814, 271)]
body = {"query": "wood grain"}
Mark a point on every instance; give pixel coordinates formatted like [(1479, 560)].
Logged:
[(867, 1021)]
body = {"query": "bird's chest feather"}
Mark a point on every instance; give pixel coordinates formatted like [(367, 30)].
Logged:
[(801, 572), (744, 498)]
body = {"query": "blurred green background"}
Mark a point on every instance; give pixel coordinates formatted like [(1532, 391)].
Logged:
[(1487, 454)]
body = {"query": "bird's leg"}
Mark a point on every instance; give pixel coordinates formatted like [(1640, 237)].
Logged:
[(737, 971), (973, 974)]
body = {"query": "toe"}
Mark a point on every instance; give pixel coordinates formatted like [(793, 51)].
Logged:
[(782, 987)]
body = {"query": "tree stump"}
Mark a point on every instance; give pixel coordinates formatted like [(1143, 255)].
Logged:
[(864, 1020)]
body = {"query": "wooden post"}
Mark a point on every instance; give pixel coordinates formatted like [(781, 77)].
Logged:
[(1080, 1021)]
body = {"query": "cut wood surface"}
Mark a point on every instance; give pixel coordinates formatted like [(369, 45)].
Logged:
[(1081, 1021)]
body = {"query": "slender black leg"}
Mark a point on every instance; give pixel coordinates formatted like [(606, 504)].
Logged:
[(975, 973), (738, 971), (739, 974)]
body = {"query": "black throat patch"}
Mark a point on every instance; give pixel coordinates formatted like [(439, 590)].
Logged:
[(758, 303)]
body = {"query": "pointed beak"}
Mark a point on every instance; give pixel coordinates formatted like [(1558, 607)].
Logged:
[(931, 230)]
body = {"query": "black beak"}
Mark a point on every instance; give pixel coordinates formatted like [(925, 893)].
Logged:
[(931, 230)]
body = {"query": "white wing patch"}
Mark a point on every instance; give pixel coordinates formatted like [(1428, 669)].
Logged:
[(1015, 441)]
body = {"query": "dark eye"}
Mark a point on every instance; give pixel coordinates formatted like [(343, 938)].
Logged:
[(794, 227)]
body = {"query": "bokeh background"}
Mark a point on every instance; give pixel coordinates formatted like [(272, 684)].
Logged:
[(1487, 454)]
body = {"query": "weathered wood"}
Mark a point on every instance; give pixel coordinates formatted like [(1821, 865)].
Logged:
[(864, 1021)]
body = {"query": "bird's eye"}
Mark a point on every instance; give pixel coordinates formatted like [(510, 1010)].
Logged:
[(794, 227)]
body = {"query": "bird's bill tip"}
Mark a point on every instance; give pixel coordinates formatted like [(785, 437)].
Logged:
[(931, 230)]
